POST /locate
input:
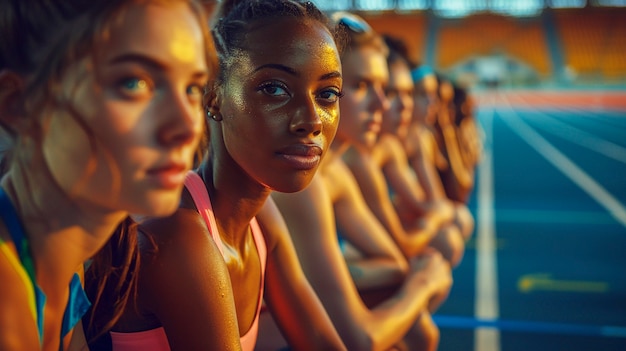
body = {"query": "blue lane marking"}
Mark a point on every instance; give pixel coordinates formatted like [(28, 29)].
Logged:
[(531, 327)]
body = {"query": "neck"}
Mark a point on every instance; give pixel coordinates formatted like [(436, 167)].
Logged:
[(337, 148), (235, 197), (56, 226)]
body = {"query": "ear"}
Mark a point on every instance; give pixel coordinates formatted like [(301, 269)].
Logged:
[(214, 99), (11, 99)]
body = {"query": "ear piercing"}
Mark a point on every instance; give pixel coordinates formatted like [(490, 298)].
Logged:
[(213, 116)]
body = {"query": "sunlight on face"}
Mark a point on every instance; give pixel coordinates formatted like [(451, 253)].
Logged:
[(281, 106), (182, 46), (365, 78), (137, 118)]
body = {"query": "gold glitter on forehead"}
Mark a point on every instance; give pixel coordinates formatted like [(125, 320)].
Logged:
[(182, 45)]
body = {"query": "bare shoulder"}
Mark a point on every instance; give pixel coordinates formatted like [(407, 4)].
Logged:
[(176, 242), (301, 201), (390, 147), (383, 149), (272, 223), (173, 249), (307, 206), (179, 234), (336, 177)]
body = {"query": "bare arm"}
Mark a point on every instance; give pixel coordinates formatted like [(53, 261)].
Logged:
[(381, 264), (470, 141), (309, 215), (423, 164), (288, 294), (186, 285), (463, 176), (390, 157), (373, 186)]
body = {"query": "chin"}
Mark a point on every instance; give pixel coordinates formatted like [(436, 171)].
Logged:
[(159, 205), (295, 185)]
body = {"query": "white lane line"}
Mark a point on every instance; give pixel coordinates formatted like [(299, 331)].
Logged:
[(582, 138), (565, 165), (486, 305)]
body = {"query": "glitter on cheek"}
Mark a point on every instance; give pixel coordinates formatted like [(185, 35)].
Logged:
[(330, 120)]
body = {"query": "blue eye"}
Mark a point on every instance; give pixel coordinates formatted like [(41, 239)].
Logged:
[(133, 84), (194, 90)]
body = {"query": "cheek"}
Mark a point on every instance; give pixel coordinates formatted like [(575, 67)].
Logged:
[(125, 135), (123, 120), (67, 148), (329, 127)]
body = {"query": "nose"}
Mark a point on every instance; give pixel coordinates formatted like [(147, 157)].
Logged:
[(182, 120), (306, 120), (406, 102), (379, 100)]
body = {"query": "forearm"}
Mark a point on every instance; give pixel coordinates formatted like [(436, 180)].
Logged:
[(417, 241), (420, 235), (306, 327), (370, 274), (424, 166), (400, 312), (454, 156)]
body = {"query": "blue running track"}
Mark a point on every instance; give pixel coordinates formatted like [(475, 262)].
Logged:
[(546, 267)]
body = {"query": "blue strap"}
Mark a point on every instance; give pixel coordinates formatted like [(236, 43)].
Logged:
[(77, 306)]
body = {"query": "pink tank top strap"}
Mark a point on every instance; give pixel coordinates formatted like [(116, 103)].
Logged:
[(149, 340), (200, 196), (259, 240), (156, 339), (248, 340)]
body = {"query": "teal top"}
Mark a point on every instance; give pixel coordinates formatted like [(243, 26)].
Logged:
[(77, 303)]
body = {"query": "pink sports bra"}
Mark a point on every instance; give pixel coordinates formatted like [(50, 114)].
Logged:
[(155, 339)]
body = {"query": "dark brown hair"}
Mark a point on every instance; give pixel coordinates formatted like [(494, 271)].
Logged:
[(233, 18), (398, 50)]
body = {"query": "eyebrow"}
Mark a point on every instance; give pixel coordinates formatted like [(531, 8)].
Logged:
[(334, 74), (137, 58), (148, 61), (278, 67)]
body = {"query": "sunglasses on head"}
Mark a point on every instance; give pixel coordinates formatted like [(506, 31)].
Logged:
[(353, 22)]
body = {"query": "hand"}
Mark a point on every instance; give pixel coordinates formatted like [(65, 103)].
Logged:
[(444, 208), (431, 271)]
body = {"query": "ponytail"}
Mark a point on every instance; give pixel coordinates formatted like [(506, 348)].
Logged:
[(111, 281)]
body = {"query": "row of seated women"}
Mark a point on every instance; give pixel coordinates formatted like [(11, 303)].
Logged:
[(391, 172), (253, 185)]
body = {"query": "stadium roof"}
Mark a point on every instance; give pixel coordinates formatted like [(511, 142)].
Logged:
[(460, 8)]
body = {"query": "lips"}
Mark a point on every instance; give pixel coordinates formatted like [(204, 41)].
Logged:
[(301, 156), (169, 176), (373, 127)]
